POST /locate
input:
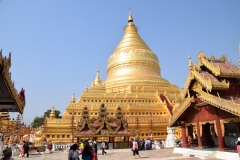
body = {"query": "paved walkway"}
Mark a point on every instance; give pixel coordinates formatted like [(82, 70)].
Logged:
[(116, 154)]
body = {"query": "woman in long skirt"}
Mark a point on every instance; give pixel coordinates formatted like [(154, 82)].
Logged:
[(22, 151)]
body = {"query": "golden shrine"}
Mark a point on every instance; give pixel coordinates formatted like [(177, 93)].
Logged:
[(133, 85)]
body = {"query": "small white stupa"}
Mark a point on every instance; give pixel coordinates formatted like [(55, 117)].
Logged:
[(171, 138)]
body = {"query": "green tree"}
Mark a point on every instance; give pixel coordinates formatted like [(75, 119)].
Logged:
[(38, 121), (57, 113)]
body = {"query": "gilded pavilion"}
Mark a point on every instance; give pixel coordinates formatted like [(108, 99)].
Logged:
[(10, 99), (133, 83)]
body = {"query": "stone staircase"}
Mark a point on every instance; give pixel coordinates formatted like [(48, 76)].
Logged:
[(200, 154)]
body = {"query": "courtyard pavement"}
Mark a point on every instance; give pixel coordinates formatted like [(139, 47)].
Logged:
[(115, 154)]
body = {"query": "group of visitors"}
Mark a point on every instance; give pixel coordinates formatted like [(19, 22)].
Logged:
[(86, 149), (142, 144)]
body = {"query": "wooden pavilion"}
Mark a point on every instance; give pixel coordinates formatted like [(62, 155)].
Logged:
[(210, 110)]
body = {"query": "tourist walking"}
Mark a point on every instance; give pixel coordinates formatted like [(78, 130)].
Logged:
[(103, 146), (26, 149), (22, 151), (87, 154), (143, 144), (148, 143), (135, 148), (73, 154), (7, 154), (94, 151), (238, 147)]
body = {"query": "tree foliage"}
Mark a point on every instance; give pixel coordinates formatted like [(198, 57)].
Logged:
[(38, 121)]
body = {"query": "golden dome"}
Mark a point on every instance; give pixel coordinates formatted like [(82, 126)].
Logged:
[(133, 62)]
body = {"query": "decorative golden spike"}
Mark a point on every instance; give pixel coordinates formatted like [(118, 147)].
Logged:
[(52, 114), (86, 88), (130, 18), (239, 53), (73, 98), (189, 60)]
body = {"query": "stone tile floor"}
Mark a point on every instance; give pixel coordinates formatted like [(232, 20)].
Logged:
[(116, 154)]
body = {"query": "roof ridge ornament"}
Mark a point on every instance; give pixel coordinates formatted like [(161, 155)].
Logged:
[(73, 98)]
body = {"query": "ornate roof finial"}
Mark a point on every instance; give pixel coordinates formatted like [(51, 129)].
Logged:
[(189, 60), (130, 18), (239, 48), (86, 88), (97, 81), (52, 114), (73, 98)]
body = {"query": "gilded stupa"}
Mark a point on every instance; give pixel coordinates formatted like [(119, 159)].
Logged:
[(133, 83)]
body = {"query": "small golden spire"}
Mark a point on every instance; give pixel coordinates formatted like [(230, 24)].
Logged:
[(73, 98), (130, 18), (86, 88), (92, 82), (52, 114), (97, 81)]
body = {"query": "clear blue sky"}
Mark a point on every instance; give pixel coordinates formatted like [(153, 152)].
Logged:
[(57, 45)]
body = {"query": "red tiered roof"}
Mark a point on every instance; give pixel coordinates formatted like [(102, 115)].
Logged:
[(224, 66), (207, 76)]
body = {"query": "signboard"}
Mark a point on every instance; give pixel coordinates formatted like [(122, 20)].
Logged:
[(41, 148)]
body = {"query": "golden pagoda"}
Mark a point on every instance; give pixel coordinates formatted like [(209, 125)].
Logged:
[(133, 83)]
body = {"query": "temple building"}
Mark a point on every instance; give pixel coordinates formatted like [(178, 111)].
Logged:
[(133, 84), (209, 113), (10, 99)]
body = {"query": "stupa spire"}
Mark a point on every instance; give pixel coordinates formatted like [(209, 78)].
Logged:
[(52, 114), (73, 98), (86, 88), (130, 18), (97, 81)]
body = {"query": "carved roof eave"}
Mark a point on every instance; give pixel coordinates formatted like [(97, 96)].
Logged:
[(207, 84), (179, 110), (187, 85), (216, 70), (108, 125), (218, 102), (5, 64), (83, 125)]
